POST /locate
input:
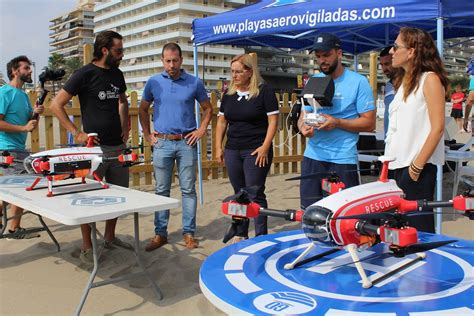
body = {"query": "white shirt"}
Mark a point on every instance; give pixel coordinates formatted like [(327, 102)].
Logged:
[(409, 126)]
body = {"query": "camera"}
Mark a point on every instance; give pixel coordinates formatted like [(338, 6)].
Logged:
[(51, 75)]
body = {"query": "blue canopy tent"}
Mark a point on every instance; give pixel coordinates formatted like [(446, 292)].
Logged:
[(362, 25)]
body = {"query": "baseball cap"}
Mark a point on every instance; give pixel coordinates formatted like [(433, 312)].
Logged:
[(325, 42)]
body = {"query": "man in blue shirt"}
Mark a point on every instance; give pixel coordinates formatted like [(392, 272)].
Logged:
[(385, 60), (173, 93), (332, 145), (16, 120)]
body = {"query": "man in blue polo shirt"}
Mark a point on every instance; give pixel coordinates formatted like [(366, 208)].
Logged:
[(332, 144), (173, 93)]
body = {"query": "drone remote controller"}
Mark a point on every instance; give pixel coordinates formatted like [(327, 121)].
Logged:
[(314, 119)]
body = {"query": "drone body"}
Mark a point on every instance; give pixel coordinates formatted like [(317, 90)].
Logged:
[(70, 163), (368, 198), (354, 219), (56, 162)]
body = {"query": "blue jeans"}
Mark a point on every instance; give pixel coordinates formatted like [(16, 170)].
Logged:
[(165, 153), (311, 190), (242, 173)]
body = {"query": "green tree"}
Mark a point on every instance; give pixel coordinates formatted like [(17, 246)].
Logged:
[(71, 65), (56, 61)]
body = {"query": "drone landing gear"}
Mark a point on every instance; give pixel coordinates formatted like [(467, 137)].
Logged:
[(98, 179), (366, 282), (51, 186), (419, 256), (298, 261), (352, 249)]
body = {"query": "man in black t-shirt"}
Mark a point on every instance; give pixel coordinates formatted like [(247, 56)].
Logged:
[(101, 88)]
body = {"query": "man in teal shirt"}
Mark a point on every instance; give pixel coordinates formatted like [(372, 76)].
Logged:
[(16, 120)]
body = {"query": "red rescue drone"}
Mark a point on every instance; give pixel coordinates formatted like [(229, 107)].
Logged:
[(354, 219), (70, 163)]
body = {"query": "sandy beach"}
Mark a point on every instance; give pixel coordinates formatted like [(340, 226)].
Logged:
[(37, 280)]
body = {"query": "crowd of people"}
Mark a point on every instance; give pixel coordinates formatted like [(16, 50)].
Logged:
[(415, 96)]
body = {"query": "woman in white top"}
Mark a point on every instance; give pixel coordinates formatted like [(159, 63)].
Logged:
[(416, 118)]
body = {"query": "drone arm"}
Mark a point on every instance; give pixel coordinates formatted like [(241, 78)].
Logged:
[(289, 215), (460, 203), (6, 160), (253, 210), (400, 237)]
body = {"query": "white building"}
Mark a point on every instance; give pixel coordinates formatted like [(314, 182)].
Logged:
[(70, 31), (147, 25)]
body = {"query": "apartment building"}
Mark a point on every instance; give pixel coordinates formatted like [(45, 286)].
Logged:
[(70, 31), (147, 25)]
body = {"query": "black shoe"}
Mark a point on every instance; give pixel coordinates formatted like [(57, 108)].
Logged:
[(21, 233)]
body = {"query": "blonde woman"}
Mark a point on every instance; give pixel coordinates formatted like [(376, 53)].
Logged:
[(416, 118), (249, 114)]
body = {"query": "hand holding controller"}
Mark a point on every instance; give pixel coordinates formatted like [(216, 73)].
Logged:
[(314, 119)]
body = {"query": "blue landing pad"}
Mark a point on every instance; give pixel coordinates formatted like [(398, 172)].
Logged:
[(249, 278)]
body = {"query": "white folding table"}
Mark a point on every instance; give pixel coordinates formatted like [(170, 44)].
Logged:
[(70, 207)]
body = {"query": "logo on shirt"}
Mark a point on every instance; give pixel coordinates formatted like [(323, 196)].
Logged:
[(114, 88), (112, 93), (102, 95)]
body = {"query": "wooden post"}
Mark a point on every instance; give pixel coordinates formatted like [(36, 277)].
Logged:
[(87, 53), (134, 130), (373, 74)]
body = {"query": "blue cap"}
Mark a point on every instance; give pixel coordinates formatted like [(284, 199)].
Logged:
[(326, 42)]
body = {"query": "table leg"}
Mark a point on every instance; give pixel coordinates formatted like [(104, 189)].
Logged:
[(139, 261), (89, 285), (46, 228), (144, 272), (4, 217), (456, 178)]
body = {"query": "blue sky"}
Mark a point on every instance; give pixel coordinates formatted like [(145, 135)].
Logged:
[(24, 29)]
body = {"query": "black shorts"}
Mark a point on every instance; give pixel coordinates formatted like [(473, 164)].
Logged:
[(456, 113)]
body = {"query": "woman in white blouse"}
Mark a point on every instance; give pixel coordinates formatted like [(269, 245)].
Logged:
[(416, 118)]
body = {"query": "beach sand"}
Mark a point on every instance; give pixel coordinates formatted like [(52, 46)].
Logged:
[(37, 280)]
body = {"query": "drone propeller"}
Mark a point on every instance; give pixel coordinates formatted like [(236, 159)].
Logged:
[(298, 197), (243, 196), (14, 151), (127, 149), (68, 145), (329, 173), (370, 216)]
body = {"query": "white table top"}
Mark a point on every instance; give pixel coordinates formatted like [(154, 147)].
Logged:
[(461, 156), (82, 207)]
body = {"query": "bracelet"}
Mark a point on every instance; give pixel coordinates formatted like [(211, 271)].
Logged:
[(414, 166), (77, 133), (413, 170)]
